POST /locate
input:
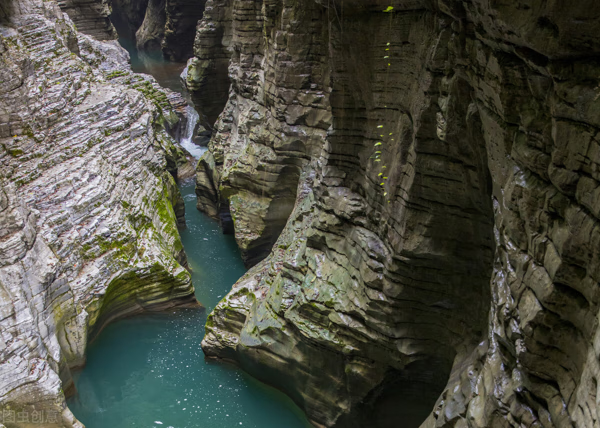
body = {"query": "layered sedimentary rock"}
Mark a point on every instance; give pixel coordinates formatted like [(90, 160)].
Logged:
[(436, 169), (90, 16), (151, 25), (275, 119), (180, 28), (207, 79), (88, 209)]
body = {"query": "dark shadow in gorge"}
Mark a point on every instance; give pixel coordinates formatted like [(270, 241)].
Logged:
[(7, 10), (404, 399), (151, 60), (437, 220), (165, 27)]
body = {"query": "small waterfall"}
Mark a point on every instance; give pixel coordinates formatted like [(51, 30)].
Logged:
[(187, 138)]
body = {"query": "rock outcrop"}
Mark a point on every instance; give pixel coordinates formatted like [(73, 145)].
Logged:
[(88, 209), (166, 26), (151, 33), (207, 79), (425, 181), (128, 16)]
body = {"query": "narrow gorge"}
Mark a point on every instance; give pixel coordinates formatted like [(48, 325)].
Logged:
[(412, 188)]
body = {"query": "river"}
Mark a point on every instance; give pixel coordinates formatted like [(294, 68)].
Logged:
[(149, 371)]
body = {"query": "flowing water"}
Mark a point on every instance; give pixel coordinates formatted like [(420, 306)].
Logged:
[(149, 371), (187, 136)]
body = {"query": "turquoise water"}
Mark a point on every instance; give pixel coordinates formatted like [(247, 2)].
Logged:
[(149, 371)]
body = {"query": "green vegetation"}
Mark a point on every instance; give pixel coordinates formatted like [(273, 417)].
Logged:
[(115, 74), (125, 247), (158, 97), (383, 138), (15, 153)]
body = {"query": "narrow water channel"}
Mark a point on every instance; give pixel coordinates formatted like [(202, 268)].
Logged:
[(149, 371)]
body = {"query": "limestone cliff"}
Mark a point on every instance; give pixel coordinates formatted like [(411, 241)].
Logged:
[(88, 211), (425, 183)]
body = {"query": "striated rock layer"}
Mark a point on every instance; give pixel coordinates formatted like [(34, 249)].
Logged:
[(88, 211), (91, 17), (207, 79), (425, 184)]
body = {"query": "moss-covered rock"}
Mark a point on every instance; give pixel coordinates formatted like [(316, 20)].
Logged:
[(89, 207)]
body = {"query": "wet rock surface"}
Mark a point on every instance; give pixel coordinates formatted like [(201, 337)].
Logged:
[(425, 184), (88, 208)]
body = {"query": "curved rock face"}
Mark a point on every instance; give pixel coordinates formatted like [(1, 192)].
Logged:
[(150, 25), (88, 211), (440, 263), (207, 79), (127, 16), (150, 34), (275, 120), (180, 29)]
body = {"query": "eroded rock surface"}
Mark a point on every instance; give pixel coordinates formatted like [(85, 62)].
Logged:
[(436, 169), (207, 79), (88, 209)]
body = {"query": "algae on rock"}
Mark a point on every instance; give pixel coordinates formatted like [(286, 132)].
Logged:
[(84, 160)]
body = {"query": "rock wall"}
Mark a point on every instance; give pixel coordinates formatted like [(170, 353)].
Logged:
[(277, 115), (207, 79), (151, 32), (88, 211), (166, 26), (424, 182), (91, 17), (180, 28)]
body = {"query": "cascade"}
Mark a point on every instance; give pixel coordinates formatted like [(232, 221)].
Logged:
[(187, 138)]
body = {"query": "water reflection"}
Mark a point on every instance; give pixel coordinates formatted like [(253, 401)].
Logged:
[(150, 62)]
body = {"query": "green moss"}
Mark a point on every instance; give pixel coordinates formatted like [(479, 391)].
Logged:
[(158, 97), (184, 276), (124, 248), (28, 131), (116, 74), (165, 212), (139, 222), (209, 322)]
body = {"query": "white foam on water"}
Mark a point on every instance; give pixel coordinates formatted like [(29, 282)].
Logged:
[(186, 139)]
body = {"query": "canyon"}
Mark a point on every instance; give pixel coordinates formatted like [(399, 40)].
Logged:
[(412, 184)]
